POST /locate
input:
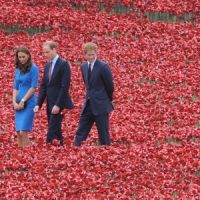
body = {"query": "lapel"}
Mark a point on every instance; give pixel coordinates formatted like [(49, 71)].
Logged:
[(47, 71), (85, 72)]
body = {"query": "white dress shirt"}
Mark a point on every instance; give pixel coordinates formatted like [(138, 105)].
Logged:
[(92, 64), (54, 62)]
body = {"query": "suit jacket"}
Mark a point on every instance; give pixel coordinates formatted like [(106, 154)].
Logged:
[(56, 89), (100, 87)]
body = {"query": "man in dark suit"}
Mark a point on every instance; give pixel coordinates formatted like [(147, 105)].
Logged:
[(98, 80), (54, 87)]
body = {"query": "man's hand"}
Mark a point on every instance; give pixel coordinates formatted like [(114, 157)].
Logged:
[(113, 105), (36, 109), (55, 110)]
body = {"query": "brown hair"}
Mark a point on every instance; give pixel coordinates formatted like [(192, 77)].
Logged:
[(51, 44), (23, 67), (89, 46)]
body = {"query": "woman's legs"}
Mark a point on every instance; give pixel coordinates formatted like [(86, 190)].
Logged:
[(19, 139), (23, 139)]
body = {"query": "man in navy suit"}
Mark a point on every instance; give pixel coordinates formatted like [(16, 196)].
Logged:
[(98, 80), (54, 87)]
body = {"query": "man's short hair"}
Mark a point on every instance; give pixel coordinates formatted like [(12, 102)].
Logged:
[(51, 44), (89, 46)]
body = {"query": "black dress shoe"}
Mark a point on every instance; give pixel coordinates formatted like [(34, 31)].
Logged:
[(77, 143), (49, 142), (61, 143)]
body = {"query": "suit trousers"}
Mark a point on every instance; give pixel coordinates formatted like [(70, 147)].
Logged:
[(86, 122), (54, 126)]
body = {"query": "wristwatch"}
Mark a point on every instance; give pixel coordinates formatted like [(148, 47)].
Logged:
[(23, 100)]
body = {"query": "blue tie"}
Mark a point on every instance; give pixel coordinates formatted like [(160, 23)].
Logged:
[(50, 69)]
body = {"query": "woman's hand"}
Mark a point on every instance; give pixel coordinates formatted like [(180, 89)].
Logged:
[(16, 106), (21, 105)]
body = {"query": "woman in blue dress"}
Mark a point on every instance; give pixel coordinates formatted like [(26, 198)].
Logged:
[(24, 97)]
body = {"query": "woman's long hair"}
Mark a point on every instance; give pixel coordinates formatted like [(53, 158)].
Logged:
[(23, 67)]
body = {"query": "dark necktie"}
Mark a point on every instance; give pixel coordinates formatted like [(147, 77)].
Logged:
[(89, 71), (50, 69)]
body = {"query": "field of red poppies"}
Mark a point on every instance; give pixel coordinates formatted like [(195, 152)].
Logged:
[(155, 128)]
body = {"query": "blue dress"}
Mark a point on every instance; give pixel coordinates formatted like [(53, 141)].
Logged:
[(23, 82)]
